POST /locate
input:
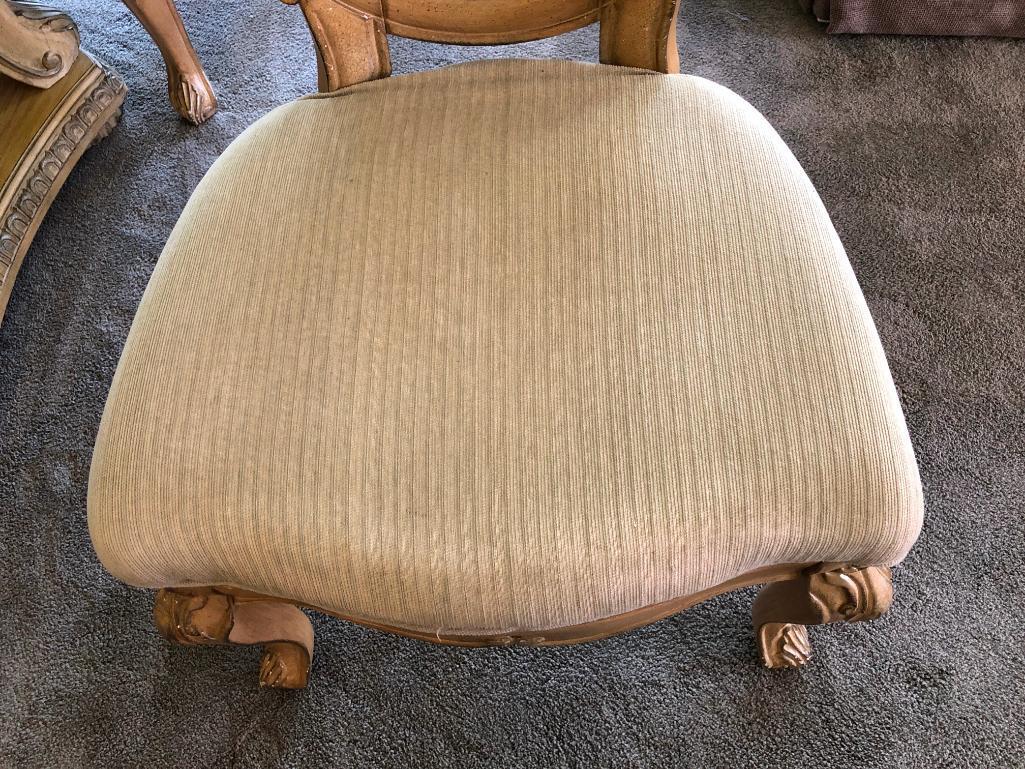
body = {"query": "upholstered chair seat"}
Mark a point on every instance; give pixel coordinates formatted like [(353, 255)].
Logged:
[(498, 351)]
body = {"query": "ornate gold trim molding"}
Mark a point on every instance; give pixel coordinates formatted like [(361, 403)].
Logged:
[(87, 112), (38, 44)]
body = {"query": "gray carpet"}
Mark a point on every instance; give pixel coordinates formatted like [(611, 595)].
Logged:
[(917, 149)]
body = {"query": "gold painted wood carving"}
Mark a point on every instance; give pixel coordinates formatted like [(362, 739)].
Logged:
[(45, 133), (38, 44)]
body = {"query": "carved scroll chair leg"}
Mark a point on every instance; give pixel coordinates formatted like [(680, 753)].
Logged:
[(203, 616), (824, 594), (187, 86)]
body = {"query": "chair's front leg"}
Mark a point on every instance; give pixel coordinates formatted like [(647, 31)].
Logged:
[(819, 596), (187, 84), (203, 617)]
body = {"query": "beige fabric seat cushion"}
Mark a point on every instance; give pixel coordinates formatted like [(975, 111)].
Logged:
[(503, 346)]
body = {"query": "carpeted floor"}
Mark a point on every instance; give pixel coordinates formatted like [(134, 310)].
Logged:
[(918, 149)]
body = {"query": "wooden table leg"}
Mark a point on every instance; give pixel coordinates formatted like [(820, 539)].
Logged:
[(187, 84)]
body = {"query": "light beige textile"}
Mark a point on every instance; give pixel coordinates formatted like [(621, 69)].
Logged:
[(504, 346)]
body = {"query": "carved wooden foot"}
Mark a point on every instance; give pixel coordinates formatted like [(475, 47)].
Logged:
[(819, 596), (191, 94), (187, 86), (202, 616)]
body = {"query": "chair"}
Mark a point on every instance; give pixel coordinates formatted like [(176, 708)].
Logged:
[(509, 352)]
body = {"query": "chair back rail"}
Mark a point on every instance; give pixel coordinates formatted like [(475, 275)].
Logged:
[(352, 45)]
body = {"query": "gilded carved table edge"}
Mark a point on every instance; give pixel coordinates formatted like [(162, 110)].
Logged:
[(86, 114)]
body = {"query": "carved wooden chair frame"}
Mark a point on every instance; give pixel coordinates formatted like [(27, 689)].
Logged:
[(352, 47)]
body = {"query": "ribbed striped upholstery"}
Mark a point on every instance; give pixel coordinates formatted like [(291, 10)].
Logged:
[(507, 345)]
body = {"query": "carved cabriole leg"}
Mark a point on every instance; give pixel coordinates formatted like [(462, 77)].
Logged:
[(203, 616), (822, 594), (187, 86), (640, 33), (351, 47)]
